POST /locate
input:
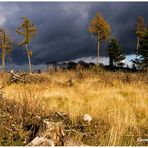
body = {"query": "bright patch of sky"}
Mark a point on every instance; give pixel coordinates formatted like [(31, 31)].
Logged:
[(105, 60), (43, 67)]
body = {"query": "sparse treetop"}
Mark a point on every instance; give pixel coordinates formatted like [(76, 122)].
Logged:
[(99, 27), (27, 29)]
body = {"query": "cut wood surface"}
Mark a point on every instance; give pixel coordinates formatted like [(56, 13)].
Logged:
[(52, 133)]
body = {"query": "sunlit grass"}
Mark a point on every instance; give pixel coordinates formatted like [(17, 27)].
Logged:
[(118, 98)]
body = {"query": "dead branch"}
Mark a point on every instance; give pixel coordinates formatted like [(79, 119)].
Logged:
[(17, 78)]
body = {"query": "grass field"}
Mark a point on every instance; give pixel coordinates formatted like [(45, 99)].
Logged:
[(116, 101)]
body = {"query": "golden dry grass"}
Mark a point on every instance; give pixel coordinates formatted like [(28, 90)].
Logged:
[(120, 99)]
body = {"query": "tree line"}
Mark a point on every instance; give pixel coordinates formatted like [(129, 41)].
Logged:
[(99, 27), (102, 30)]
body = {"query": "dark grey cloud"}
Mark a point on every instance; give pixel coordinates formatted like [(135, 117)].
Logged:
[(63, 27)]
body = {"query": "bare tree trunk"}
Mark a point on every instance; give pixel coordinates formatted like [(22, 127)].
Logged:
[(137, 46), (98, 50), (47, 67), (30, 68), (3, 60), (111, 61)]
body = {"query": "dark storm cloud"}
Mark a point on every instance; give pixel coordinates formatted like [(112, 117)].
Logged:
[(63, 27)]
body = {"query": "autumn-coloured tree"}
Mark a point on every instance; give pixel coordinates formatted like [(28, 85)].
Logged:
[(100, 28), (5, 46), (140, 29), (28, 30)]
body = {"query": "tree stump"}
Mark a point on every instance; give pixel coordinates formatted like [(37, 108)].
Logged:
[(50, 134)]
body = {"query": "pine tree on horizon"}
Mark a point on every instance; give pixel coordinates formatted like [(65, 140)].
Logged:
[(115, 52), (143, 50)]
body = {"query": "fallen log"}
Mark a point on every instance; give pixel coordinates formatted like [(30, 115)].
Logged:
[(17, 78)]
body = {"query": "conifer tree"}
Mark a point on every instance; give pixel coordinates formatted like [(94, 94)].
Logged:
[(143, 51), (5, 46), (140, 32), (28, 30), (140, 29), (115, 53), (101, 29)]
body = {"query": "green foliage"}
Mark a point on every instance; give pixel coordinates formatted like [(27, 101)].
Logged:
[(143, 50), (140, 29), (115, 53), (137, 62), (142, 61)]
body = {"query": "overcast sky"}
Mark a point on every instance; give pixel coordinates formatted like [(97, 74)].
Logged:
[(63, 27)]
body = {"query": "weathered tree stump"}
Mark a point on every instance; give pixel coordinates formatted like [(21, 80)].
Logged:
[(50, 134)]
